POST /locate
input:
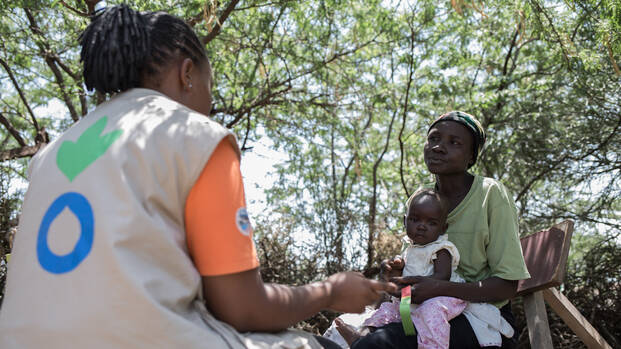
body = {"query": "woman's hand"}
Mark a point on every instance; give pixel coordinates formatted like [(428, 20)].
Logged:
[(493, 289), (390, 268), (423, 287), (350, 291)]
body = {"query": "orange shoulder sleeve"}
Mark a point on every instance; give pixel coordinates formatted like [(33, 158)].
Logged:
[(218, 231)]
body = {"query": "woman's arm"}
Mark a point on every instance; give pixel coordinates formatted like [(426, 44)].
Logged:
[(392, 268), (219, 238), (245, 302), (493, 289)]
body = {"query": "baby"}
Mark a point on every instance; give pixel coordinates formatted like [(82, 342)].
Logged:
[(427, 253)]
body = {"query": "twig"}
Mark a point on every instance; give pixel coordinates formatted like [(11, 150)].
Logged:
[(243, 147), (558, 37), (78, 12), (612, 57)]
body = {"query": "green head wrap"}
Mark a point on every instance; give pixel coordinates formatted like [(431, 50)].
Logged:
[(472, 124)]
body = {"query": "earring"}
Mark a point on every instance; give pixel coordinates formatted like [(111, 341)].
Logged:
[(190, 85)]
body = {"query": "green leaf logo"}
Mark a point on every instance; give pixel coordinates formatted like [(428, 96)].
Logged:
[(75, 157)]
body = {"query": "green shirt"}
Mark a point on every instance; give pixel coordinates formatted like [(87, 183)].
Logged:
[(484, 227)]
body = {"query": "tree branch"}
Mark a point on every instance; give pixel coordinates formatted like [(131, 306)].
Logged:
[(509, 54), (67, 70), (373, 203), (7, 124), (21, 93), (21, 152), (338, 241), (355, 156), (45, 53), (266, 99), (61, 83), (504, 83), (78, 79), (216, 29), (566, 157), (281, 2), (405, 113)]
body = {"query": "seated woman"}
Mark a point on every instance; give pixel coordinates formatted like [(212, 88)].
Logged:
[(482, 223)]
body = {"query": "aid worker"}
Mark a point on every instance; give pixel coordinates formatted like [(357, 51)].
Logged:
[(134, 231)]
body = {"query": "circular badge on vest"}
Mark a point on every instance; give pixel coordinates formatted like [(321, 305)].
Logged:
[(81, 208), (243, 221)]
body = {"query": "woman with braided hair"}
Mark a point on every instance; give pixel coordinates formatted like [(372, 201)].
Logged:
[(134, 231)]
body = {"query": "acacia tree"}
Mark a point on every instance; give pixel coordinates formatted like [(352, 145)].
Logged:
[(347, 89)]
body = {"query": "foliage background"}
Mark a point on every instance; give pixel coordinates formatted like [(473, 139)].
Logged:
[(346, 90)]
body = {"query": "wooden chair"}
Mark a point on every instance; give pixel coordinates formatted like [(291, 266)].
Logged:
[(546, 254)]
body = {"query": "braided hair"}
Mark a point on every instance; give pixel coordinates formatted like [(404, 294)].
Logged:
[(121, 47)]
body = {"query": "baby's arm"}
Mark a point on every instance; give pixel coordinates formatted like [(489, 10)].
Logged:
[(442, 265)]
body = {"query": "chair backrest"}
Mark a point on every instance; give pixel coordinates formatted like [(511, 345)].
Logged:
[(545, 253)]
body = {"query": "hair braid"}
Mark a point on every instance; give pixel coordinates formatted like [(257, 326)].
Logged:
[(122, 46), (171, 37)]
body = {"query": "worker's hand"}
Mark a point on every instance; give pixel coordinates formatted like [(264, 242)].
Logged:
[(350, 292), (390, 268)]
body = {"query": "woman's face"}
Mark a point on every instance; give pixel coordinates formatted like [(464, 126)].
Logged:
[(448, 149)]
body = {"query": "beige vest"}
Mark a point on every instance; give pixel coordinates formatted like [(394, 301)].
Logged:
[(100, 257)]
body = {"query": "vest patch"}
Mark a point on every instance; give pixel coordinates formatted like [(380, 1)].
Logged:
[(81, 208), (74, 157), (243, 221)]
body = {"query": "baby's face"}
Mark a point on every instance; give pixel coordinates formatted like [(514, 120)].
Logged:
[(425, 220)]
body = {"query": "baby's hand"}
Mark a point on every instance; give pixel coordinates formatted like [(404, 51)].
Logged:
[(391, 268)]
